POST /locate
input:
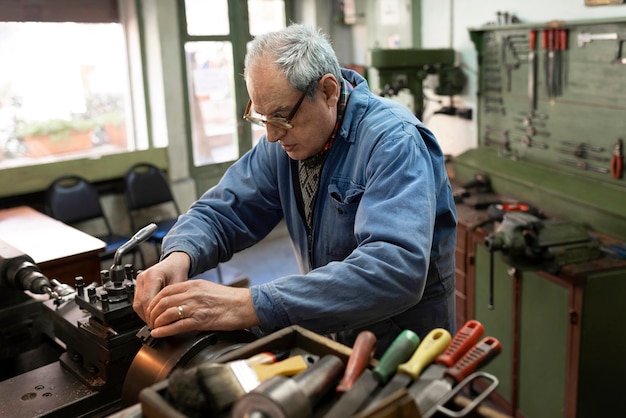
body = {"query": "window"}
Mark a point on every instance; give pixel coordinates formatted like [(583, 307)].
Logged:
[(72, 77), (211, 48), (65, 94)]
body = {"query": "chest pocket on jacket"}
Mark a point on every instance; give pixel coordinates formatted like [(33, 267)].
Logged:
[(338, 221)]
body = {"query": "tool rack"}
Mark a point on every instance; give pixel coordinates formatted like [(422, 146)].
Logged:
[(551, 117)]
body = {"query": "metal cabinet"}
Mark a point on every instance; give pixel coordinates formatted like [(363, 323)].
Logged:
[(561, 334)]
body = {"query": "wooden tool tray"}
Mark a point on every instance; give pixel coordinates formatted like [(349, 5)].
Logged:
[(297, 340)]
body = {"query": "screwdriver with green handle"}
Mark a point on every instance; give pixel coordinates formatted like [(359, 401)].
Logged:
[(431, 346), (398, 352)]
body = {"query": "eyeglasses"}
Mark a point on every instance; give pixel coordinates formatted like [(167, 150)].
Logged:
[(283, 123)]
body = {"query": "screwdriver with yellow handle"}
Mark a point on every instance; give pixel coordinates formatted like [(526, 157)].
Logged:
[(430, 347), (469, 334)]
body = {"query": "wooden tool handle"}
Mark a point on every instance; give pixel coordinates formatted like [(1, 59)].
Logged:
[(362, 353)]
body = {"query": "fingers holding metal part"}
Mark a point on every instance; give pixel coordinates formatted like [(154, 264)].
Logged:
[(200, 305), (149, 282)]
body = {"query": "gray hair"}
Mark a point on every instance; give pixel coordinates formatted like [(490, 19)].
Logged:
[(302, 53)]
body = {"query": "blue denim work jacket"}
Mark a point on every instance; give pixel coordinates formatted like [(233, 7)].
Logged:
[(380, 255)]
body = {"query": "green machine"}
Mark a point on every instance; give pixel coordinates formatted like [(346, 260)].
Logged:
[(400, 69)]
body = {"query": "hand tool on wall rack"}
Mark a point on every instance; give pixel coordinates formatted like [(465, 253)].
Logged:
[(557, 64), (528, 142), (582, 152), (549, 45), (617, 160), (585, 38), (546, 55), (476, 357), (491, 99), (509, 64), (495, 109), (582, 165), (532, 70), (504, 133), (590, 147), (492, 89), (491, 70), (531, 131), (504, 147), (534, 115), (527, 121), (398, 352), (430, 347), (561, 74)]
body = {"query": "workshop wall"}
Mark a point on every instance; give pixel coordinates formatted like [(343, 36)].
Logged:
[(445, 24)]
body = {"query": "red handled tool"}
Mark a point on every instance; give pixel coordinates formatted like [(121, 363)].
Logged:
[(469, 334), (477, 356), (532, 71), (362, 354), (561, 38), (617, 160)]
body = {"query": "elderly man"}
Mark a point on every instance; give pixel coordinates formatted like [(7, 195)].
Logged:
[(362, 187)]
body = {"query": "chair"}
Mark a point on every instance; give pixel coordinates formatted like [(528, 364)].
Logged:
[(146, 188), (75, 201), (147, 192)]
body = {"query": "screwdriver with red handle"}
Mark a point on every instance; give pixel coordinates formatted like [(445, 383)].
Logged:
[(477, 356)]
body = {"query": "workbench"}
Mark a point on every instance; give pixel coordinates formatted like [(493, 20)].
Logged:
[(560, 332), (59, 250)]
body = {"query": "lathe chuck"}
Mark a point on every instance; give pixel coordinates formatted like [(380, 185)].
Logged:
[(155, 361)]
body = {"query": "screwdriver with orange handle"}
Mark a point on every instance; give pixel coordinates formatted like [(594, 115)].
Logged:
[(479, 355)]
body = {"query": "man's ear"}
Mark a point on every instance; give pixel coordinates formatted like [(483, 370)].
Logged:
[(330, 89)]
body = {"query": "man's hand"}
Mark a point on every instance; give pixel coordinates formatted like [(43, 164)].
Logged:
[(149, 283), (170, 304), (200, 305)]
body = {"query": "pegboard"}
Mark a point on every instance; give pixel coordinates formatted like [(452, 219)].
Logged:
[(574, 114), (553, 145)]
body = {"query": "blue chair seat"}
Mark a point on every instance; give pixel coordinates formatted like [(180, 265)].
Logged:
[(162, 230)]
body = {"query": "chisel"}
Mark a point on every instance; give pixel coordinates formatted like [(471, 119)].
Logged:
[(469, 334), (431, 346), (546, 53), (532, 71), (550, 80), (477, 356), (398, 352)]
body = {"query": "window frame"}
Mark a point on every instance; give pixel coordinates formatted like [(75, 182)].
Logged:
[(206, 176)]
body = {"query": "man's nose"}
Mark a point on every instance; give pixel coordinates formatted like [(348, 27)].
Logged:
[(274, 133)]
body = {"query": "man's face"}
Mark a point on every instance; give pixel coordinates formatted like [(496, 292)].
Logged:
[(273, 97)]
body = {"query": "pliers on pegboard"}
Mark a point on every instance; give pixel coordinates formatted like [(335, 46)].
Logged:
[(617, 160)]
